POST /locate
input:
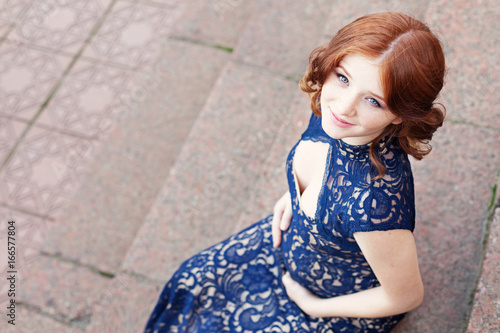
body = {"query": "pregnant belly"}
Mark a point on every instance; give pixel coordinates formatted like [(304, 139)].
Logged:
[(322, 272), (306, 265)]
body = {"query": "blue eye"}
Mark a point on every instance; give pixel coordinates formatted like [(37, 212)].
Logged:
[(374, 102), (343, 79)]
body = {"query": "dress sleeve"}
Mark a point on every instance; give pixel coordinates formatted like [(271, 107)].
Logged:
[(389, 203)]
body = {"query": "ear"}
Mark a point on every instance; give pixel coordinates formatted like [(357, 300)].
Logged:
[(397, 121)]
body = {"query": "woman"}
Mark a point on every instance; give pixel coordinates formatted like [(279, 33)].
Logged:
[(338, 254)]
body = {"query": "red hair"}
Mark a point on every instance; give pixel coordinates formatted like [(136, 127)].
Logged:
[(412, 69)]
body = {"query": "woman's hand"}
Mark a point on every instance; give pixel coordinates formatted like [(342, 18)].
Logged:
[(281, 218), (305, 300)]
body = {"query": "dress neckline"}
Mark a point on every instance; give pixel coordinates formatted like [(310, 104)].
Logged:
[(296, 188), (360, 153)]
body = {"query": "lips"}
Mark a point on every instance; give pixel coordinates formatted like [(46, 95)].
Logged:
[(337, 121)]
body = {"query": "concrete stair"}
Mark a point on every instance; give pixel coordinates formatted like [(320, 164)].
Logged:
[(200, 155)]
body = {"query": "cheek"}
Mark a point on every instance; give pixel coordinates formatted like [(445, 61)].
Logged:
[(373, 120), (328, 91)]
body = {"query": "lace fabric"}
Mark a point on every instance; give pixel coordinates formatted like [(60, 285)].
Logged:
[(235, 286)]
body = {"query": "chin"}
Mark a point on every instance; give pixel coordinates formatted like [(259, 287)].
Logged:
[(331, 132)]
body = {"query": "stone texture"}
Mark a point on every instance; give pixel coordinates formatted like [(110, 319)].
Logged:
[(121, 184), (125, 305), (211, 179), (473, 79), (93, 92), (30, 233), (344, 12), (61, 289), (132, 34), (43, 173), (61, 26), (485, 316), (10, 133), (208, 21), (29, 321), (10, 10), (272, 181), (27, 77), (282, 34)]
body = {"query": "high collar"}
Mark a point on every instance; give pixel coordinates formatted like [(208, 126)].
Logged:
[(359, 152)]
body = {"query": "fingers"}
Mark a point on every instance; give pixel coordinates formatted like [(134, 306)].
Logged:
[(286, 219), (289, 284), (276, 231), (305, 300), (281, 218), (287, 278), (276, 234)]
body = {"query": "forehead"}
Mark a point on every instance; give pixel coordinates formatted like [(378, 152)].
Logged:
[(362, 71)]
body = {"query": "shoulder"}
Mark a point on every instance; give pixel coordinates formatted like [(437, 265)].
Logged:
[(398, 172), (389, 202)]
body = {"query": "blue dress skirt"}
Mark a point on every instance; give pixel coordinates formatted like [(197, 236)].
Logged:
[(235, 286)]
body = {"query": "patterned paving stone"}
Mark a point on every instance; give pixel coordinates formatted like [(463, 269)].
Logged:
[(485, 316), (9, 12), (27, 76), (89, 99), (125, 305), (10, 133), (127, 173), (61, 26), (132, 34), (43, 173)]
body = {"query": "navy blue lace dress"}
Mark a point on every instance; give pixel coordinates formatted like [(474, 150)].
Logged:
[(235, 286)]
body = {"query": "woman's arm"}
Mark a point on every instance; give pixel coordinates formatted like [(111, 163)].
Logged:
[(392, 255)]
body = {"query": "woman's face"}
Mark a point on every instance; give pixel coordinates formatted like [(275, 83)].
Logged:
[(352, 103)]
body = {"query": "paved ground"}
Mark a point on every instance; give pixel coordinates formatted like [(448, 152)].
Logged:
[(135, 133)]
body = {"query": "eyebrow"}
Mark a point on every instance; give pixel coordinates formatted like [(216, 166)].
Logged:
[(379, 97)]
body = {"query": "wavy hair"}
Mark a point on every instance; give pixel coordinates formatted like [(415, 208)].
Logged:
[(412, 70)]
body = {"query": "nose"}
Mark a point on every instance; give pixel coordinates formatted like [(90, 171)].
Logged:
[(347, 105)]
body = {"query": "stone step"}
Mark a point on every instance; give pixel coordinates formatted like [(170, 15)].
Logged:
[(127, 173), (97, 227), (101, 221)]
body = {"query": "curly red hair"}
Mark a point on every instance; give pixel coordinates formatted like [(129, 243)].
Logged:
[(412, 69)]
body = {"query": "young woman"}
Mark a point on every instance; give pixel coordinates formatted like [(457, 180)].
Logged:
[(338, 254)]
